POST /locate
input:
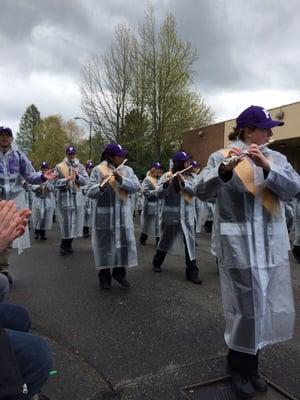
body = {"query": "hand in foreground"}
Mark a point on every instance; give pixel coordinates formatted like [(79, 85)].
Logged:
[(12, 223), (258, 158)]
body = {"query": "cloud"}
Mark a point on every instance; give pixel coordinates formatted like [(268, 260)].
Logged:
[(248, 50)]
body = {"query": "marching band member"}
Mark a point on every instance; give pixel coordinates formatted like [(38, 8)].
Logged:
[(42, 206), (252, 243), (113, 239), (87, 203), (71, 176), (15, 167), (177, 225), (150, 210)]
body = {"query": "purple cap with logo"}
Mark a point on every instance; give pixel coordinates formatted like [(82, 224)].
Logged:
[(180, 156), (89, 164), (6, 129), (114, 149), (195, 164), (44, 165), (156, 165), (258, 117), (70, 150)]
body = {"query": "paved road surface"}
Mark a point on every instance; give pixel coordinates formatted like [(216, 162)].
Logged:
[(143, 343)]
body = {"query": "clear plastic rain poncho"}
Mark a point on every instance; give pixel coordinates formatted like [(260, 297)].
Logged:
[(151, 206), (297, 222), (177, 219), (42, 206), (69, 198), (252, 249), (15, 167), (113, 239), (87, 208)]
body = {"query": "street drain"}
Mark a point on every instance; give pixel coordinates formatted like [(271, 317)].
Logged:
[(221, 389)]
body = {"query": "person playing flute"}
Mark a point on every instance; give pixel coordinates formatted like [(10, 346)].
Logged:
[(71, 177), (42, 206), (151, 206), (177, 227), (113, 239), (252, 243)]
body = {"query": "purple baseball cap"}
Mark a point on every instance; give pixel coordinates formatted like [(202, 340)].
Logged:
[(6, 129), (180, 156), (195, 164), (44, 165), (156, 165), (258, 117), (89, 165), (114, 149), (70, 150)]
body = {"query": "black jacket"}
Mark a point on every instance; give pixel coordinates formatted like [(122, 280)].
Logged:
[(11, 382)]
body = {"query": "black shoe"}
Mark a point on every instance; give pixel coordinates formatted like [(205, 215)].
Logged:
[(36, 234), (70, 250), (105, 284), (194, 277), (259, 384), (43, 238), (242, 385), (123, 282), (63, 252), (156, 268), (8, 276)]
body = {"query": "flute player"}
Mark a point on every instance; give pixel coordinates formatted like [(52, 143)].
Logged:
[(253, 244), (177, 225), (113, 239)]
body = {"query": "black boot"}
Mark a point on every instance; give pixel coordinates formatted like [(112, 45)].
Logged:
[(192, 271), (296, 253), (208, 226), (119, 274), (104, 277), (69, 246), (63, 247), (43, 234), (86, 231), (143, 239), (158, 259), (258, 382)]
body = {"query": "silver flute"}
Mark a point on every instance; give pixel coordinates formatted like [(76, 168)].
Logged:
[(245, 153), (178, 173)]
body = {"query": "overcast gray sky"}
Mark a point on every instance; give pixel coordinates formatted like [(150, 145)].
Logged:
[(249, 50)]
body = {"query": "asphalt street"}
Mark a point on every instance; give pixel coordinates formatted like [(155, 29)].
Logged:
[(146, 342)]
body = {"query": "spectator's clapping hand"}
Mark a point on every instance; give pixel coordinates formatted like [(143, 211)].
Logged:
[(12, 222)]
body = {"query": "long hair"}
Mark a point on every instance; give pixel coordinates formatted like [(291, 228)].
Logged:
[(177, 166), (239, 133)]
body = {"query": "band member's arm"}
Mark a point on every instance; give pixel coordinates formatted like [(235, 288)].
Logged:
[(92, 189), (212, 178), (130, 182), (28, 172), (82, 177), (148, 190), (60, 183), (282, 179)]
